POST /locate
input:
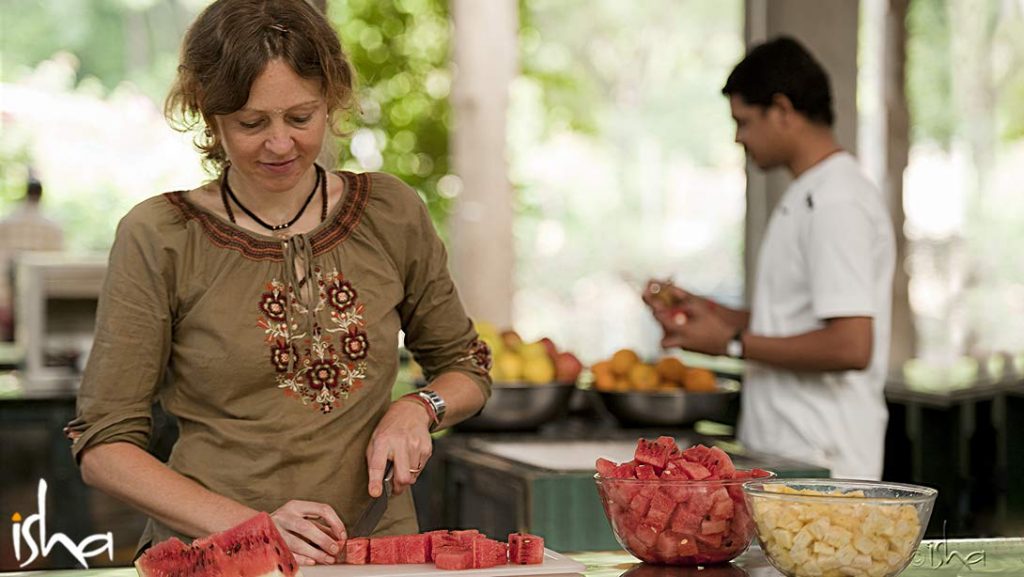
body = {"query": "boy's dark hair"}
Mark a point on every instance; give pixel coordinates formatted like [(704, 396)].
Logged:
[(783, 66)]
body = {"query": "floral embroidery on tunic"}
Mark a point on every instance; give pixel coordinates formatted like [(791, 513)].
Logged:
[(480, 355), (320, 364)]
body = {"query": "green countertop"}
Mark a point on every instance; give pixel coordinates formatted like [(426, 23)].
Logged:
[(952, 558)]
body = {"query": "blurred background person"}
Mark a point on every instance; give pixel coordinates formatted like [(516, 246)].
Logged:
[(816, 337), (25, 229)]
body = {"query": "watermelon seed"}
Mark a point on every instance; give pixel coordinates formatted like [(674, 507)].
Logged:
[(280, 569)]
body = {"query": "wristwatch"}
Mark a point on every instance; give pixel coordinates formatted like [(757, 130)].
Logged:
[(436, 403), (734, 348)]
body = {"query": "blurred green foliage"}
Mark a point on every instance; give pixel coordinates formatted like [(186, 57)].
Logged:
[(400, 51)]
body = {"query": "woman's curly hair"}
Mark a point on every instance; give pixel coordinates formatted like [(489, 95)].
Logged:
[(229, 45)]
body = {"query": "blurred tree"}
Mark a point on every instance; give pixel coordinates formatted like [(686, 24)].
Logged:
[(400, 51)]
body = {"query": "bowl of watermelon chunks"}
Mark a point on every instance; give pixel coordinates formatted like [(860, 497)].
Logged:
[(674, 507)]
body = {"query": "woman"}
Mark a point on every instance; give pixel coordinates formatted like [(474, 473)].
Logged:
[(263, 308)]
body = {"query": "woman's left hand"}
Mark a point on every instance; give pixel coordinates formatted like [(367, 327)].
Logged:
[(402, 436)]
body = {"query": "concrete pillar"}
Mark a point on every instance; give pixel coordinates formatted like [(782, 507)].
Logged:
[(482, 242), (890, 137), (829, 30)]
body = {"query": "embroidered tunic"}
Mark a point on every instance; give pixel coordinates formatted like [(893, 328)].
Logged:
[(276, 387)]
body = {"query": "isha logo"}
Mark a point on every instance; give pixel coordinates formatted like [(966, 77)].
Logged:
[(21, 530)]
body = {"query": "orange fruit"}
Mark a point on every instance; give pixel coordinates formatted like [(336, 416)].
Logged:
[(604, 379), (623, 360), (671, 369), (643, 377), (699, 381)]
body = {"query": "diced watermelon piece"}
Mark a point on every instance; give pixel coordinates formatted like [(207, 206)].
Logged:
[(670, 444), (646, 472), (712, 526), (605, 468), (383, 550), (660, 511), (485, 553), (357, 551), (501, 553), (525, 549), (666, 545), (646, 534), (413, 548), (628, 522), (719, 463), (700, 501), (437, 539), (453, 557), (696, 454), (640, 505), (712, 541), (653, 453), (686, 522), (760, 473), (687, 546), (723, 509), (625, 471), (695, 471), (465, 537)]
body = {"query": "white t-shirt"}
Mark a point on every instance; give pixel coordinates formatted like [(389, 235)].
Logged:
[(829, 252)]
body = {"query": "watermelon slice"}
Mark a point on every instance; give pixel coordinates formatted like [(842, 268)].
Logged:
[(357, 551), (253, 548)]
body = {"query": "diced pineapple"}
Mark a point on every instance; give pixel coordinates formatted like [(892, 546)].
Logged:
[(782, 537), (819, 527), (811, 568), (821, 548), (837, 536), (845, 554), (803, 539), (852, 539), (861, 562)]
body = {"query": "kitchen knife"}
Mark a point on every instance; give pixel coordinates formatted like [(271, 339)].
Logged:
[(375, 510)]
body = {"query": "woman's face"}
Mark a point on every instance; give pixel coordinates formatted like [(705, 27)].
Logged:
[(273, 141)]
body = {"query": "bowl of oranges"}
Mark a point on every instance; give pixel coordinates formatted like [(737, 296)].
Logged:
[(664, 392)]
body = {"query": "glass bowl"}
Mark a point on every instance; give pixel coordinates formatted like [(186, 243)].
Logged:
[(836, 527), (678, 522)]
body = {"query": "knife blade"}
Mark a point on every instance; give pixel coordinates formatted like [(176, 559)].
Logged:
[(368, 520)]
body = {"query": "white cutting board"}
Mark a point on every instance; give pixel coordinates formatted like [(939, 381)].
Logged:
[(554, 564)]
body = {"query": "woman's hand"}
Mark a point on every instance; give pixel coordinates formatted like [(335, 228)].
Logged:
[(311, 542), (402, 436)]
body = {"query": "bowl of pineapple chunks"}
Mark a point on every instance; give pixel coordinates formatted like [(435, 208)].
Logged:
[(838, 528)]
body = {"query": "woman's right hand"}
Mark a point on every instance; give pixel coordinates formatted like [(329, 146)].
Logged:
[(311, 542)]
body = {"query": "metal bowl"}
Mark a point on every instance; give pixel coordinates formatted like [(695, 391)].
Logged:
[(670, 408), (521, 406)]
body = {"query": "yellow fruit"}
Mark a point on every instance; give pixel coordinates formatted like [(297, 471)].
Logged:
[(534, 350), (538, 370), (699, 380), (643, 377), (671, 369), (508, 367), (624, 360)]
